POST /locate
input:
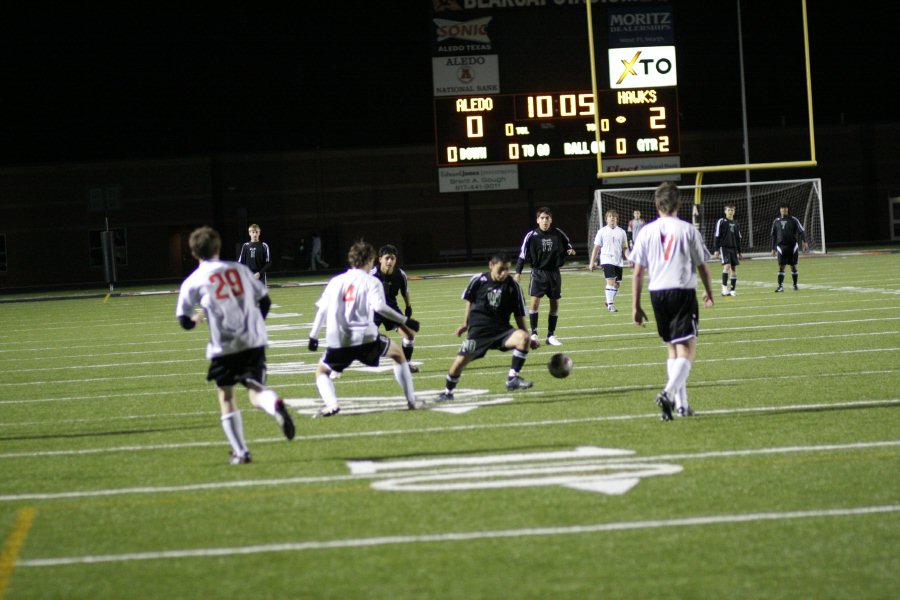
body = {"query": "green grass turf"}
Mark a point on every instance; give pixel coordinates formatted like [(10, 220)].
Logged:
[(783, 486)]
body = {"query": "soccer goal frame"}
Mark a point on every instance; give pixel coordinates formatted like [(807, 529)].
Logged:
[(756, 205)]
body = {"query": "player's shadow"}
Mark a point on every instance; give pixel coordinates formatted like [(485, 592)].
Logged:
[(462, 453)]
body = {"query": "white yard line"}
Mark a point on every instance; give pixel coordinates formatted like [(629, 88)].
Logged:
[(462, 536)]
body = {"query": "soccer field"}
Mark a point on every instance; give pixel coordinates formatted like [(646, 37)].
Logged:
[(114, 480)]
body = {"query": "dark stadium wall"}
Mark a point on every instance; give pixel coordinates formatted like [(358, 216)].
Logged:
[(380, 194)]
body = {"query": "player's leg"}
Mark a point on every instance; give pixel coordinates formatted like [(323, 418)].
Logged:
[(408, 343), (402, 374), (732, 269), (781, 264), (725, 268), (520, 343), (233, 426), (794, 259), (327, 392), (453, 375), (553, 290), (533, 315)]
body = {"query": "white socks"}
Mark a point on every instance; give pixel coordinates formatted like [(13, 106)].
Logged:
[(233, 426), (326, 391), (404, 378), (678, 370), (611, 294), (266, 400)]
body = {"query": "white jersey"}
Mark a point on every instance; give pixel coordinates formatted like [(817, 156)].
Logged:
[(612, 242), (671, 250), (348, 306), (229, 294)]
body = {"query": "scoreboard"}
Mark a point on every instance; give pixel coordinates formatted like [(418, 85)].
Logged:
[(531, 127)]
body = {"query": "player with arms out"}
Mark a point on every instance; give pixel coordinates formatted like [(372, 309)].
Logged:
[(347, 308), (545, 247), (787, 237), (235, 303), (395, 283), (611, 243), (727, 242), (671, 251), (491, 298), (255, 254)]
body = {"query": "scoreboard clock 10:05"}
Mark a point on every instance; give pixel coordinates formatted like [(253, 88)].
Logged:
[(530, 127)]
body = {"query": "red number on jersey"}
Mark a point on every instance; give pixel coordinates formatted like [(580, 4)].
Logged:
[(350, 294), (231, 280)]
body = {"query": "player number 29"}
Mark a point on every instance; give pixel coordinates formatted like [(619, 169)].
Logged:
[(231, 280)]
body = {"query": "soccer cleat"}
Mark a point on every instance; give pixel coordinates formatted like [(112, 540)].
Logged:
[(553, 341), (724, 290), (444, 397), (665, 405), (517, 383), (732, 293), (795, 287), (415, 404), (413, 368), (685, 411), (324, 411), (779, 289), (534, 337), (612, 308), (284, 420), (239, 459)]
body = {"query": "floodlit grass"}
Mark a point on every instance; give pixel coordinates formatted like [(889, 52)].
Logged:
[(783, 486)]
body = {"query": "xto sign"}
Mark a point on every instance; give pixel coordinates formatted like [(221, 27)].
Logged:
[(653, 66)]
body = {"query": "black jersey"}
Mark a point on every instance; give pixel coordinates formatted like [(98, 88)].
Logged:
[(492, 303), (394, 284), (545, 250), (787, 231), (728, 235), (256, 256)]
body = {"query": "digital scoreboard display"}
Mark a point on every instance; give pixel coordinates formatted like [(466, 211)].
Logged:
[(531, 127)]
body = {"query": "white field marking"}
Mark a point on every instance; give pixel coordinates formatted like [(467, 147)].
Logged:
[(274, 315), (453, 428), (385, 365), (358, 405), (301, 367), (460, 536), (252, 483), (612, 479)]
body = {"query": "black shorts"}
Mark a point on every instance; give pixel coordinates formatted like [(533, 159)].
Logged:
[(788, 255), (236, 368), (545, 283), (729, 256), (676, 313), (477, 345), (388, 325), (612, 272), (369, 354)]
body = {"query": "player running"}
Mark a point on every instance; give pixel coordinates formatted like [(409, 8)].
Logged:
[(395, 283)]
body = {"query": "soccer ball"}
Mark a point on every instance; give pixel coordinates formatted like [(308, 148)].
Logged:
[(559, 365)]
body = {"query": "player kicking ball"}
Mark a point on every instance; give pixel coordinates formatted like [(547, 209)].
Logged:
[(490, 300), (235, 304)]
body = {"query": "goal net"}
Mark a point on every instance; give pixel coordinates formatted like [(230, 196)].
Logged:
[(756, 206)]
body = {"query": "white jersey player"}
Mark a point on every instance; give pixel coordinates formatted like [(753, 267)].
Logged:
[(672, 252), (235, 303), (347, 308), (612, 244)]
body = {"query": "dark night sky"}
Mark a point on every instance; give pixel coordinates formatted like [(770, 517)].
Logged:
[(332, 75)]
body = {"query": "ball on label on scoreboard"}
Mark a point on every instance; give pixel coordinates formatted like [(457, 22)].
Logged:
[(559, 365)]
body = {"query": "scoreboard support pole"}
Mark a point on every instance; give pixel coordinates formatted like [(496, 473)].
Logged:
[(710, 168), (590, 26)]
